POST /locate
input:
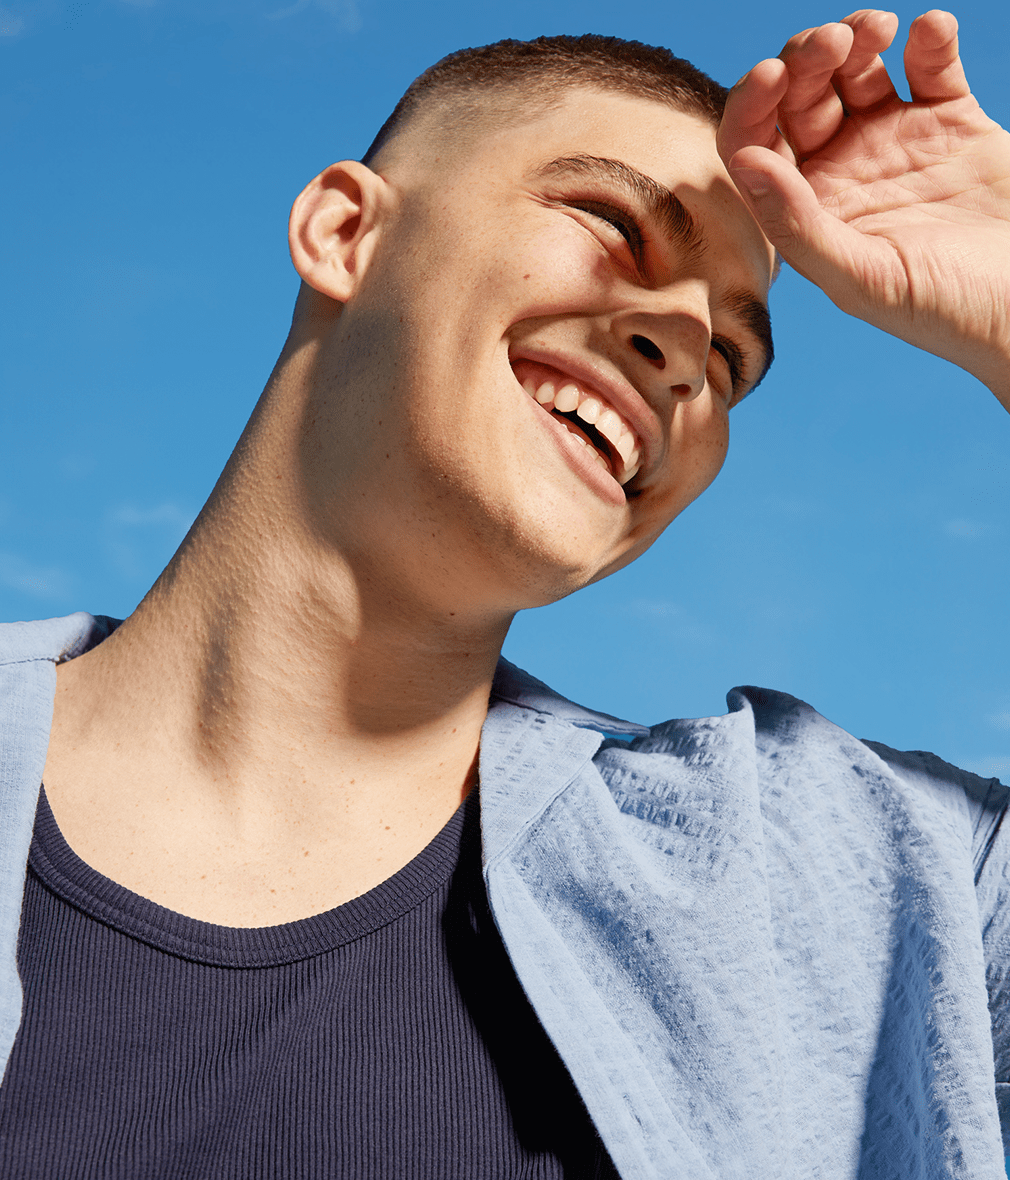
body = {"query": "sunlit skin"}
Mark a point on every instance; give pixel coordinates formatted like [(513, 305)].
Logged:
[(899, 211), (295, 709), (486, 262), (336, 615)]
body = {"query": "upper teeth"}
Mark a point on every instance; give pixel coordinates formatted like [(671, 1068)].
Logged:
[(566, 396)]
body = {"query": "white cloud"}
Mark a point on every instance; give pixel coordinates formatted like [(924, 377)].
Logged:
[(10, 23), (654, 608), (76, 465), (962, 527), (670, 619), (344, 12), (170, 515), (995, 767), (141, 540), (792, 506), (1000, 720), (45, 582)]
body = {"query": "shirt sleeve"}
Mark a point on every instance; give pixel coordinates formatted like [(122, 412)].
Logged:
[(985, 801)]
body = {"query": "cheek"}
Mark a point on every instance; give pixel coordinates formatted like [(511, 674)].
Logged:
[(698, 445), (557, 270), (700, 439)]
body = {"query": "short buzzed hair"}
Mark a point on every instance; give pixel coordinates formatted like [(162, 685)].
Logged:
[(539, 70)]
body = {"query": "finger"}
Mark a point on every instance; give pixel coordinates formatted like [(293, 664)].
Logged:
[(811, 113), (932, 65), (862, 81), (816, 243), (751, 114)]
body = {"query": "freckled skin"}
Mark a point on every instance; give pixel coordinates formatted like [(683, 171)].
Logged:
[(480, 259)]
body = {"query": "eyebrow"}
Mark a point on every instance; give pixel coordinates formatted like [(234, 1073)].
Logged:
[(669, 211), (663, 206), (753, 314)]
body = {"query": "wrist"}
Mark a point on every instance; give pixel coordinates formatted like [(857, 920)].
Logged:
[(993, 370)]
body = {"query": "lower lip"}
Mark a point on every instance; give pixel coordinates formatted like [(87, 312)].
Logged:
[(579, 457)]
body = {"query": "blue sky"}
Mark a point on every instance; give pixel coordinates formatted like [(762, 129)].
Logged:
[(853, 552)]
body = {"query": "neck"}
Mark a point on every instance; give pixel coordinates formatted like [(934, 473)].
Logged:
[(270, 659), (273, 682)]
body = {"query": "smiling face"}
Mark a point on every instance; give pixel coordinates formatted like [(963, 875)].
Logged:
[(549, 337)]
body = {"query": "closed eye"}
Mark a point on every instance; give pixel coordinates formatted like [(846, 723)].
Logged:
[(623, 222), (733, 356)]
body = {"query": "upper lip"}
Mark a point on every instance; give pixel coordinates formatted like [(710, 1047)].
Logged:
[(625, 399)]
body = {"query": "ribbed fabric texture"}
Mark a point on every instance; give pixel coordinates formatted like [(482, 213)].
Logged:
[(388, 1038)]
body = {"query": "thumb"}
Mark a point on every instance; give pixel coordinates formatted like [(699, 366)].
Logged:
[(814, 242)]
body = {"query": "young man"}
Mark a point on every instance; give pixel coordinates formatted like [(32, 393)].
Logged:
[(255, 939)]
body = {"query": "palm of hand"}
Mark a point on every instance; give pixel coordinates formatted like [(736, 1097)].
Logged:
[(909, 177), (904, 216)]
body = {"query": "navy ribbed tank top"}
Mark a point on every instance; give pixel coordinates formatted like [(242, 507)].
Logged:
[(387, 1038)]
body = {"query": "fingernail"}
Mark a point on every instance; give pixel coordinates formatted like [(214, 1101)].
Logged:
[(754, 183)]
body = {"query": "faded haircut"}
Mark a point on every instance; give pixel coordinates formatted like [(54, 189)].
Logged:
[(536, 72)]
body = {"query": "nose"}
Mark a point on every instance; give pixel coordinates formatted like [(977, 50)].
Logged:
[(649, 350), (673, 341)]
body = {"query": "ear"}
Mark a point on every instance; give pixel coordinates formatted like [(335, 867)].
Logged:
[(333, 227)]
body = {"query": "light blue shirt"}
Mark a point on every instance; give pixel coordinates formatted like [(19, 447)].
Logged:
[(761, 946)]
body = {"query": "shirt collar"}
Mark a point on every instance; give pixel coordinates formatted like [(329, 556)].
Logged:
[(515, 687)]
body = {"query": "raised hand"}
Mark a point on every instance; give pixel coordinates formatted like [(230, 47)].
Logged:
[(899, 211)]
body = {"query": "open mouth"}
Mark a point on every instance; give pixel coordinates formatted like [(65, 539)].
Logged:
[(587, 416)]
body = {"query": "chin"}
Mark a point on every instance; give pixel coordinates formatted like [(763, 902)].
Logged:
[(543, 579)]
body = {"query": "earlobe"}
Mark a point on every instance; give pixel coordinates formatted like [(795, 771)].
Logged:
[(333, 227)]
